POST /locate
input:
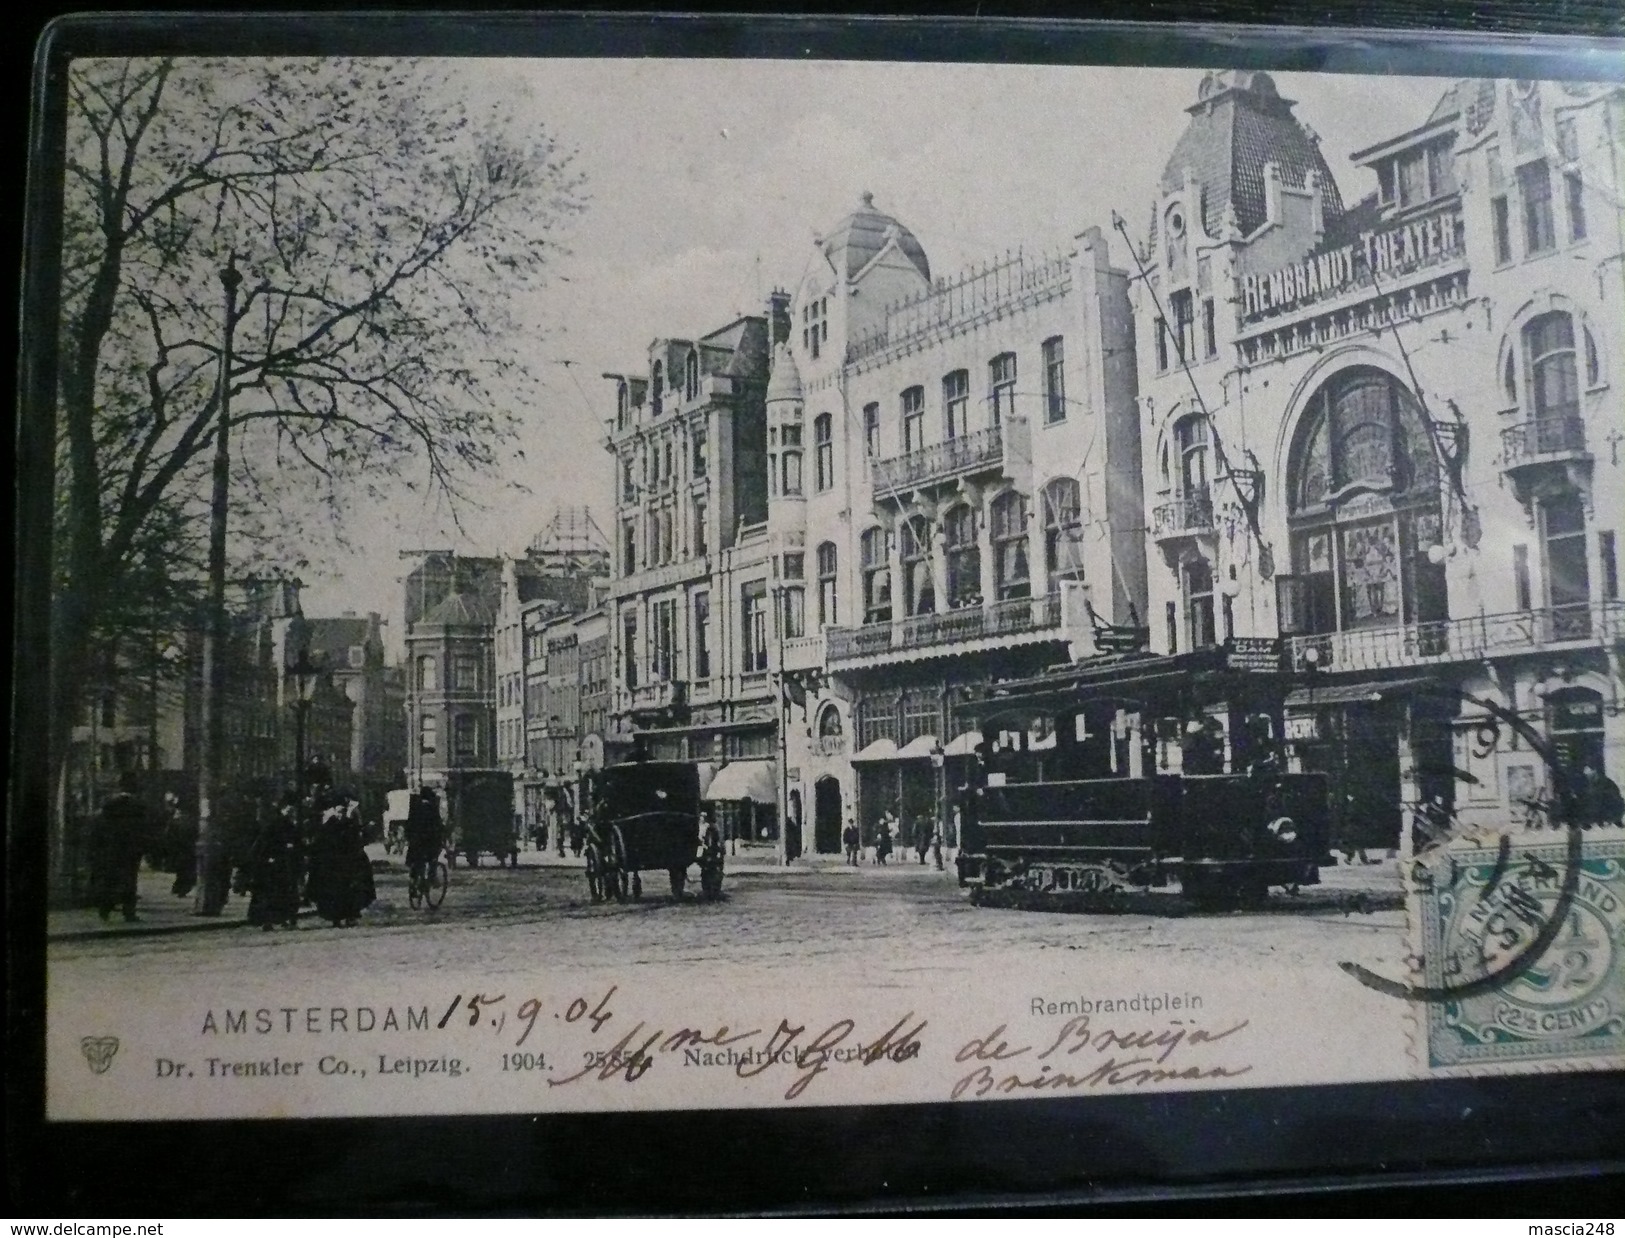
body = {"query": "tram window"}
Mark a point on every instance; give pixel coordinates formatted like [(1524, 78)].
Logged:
[(1041, 735), (1081, 733)]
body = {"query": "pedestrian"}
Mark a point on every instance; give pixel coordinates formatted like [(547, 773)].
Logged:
[(123, 829), (922, 838), (1600, 800), (274, 865), (180, 843), (851, 839), (341, 881), (883, 840), (425, 835)]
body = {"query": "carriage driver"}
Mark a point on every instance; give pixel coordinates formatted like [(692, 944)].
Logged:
[(425, 833)]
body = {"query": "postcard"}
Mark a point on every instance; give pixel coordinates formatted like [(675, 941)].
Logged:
[(630, 584)]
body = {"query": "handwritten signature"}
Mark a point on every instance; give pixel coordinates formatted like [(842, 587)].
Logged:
[(1078, 1036)]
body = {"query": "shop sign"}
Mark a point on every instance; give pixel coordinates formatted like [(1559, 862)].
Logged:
[(1252, 653), (1393, 251), (1306, 726)]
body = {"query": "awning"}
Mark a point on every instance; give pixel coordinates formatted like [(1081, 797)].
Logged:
[(708, 774), (881, 750), (918, 748), (964, 745), (1366, 692), (744, 780)]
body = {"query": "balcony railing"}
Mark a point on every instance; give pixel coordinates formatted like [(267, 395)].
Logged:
[(954, 457), (657, 694), (1190, 513), (1543, 438), (1007, 618), (1455, 640)]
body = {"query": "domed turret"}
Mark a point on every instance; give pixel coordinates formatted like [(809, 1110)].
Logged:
[(853, 243), (1238, 124)]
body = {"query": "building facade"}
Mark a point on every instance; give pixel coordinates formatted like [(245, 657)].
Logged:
[(1386, 435), (687, 606), (451, 668), (955, 497)]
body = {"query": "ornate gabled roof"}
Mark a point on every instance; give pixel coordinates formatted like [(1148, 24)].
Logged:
[(853, 243), (1238, 124), (785, 383), (463, 610)]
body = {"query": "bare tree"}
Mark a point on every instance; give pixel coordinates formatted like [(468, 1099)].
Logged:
[(388, 231)]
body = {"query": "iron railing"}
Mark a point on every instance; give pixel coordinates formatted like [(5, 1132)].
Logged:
[(1456, 640), (1007, 618), (1192, 512), (939, 461), (1543, 436)]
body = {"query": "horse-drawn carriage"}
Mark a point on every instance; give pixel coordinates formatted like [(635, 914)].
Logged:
[(645, 816), (479, 815)]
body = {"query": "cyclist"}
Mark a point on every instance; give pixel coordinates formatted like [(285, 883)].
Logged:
[(425, 838)]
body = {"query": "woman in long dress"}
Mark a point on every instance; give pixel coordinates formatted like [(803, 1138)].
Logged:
[(341, 881), (274, 867)]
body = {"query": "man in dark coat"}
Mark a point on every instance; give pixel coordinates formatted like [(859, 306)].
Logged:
[(425, 834), (123, 832), (274, 866)]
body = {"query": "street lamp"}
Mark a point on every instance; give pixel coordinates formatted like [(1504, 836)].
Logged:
[(576, 768), (304, 674), (939, 765)]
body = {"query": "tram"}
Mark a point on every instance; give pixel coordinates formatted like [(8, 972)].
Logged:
[(1139, 772)]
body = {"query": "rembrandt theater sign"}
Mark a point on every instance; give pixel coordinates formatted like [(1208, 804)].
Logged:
[(1372, 256)]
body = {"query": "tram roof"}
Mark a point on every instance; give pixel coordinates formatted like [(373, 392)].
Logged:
[(1164, 674)]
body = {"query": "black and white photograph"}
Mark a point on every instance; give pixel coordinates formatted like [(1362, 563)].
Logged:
[(587, 585)]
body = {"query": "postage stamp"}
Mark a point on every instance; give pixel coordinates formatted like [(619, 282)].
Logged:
[(1481, 908)]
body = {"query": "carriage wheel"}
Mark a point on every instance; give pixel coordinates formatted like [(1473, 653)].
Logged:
[(596, 885), (615, 866), (679, 878), (439, 879)]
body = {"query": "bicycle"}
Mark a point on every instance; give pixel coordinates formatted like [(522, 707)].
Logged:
[(426, 883)]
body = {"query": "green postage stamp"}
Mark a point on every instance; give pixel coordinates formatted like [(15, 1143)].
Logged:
[(1524, 958)]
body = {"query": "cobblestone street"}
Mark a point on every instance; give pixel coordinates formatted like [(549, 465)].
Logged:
[(899, 924)]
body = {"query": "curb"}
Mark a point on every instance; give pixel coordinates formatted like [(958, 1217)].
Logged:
[(204, 924)]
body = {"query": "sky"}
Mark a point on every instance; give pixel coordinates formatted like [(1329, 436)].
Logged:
[(708, 181)]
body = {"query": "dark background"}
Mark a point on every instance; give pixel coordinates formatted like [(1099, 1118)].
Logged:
[(1546, 1147)]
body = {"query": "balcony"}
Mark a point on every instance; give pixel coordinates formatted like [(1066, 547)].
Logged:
[(656, 695), (945, 461), (803, 653), (1461, 640), (1187, 516), (1013, 617), (1540, 445)]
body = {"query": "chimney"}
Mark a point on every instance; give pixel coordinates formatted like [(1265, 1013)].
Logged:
[(778, 315)]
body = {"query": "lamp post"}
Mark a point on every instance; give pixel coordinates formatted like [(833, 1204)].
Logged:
[(576, 768), (210, 898), (304, 674), (939, 767)]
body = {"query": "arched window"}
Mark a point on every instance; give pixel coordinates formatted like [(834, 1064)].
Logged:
[(428, 674), (826, 582), (691, 375), (919, 590), (1009, 530), (876, 577), (829, 722), (823, 451), (1063, 532), (1363, 493), (1554, 381), (964, 557), (1191, 437)]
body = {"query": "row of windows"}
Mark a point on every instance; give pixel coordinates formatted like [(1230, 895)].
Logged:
[(689, 382), (1530, 192), (662, 541), (465, 736), (465, 673)]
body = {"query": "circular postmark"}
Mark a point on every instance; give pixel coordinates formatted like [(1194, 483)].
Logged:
[(1495, 902)]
